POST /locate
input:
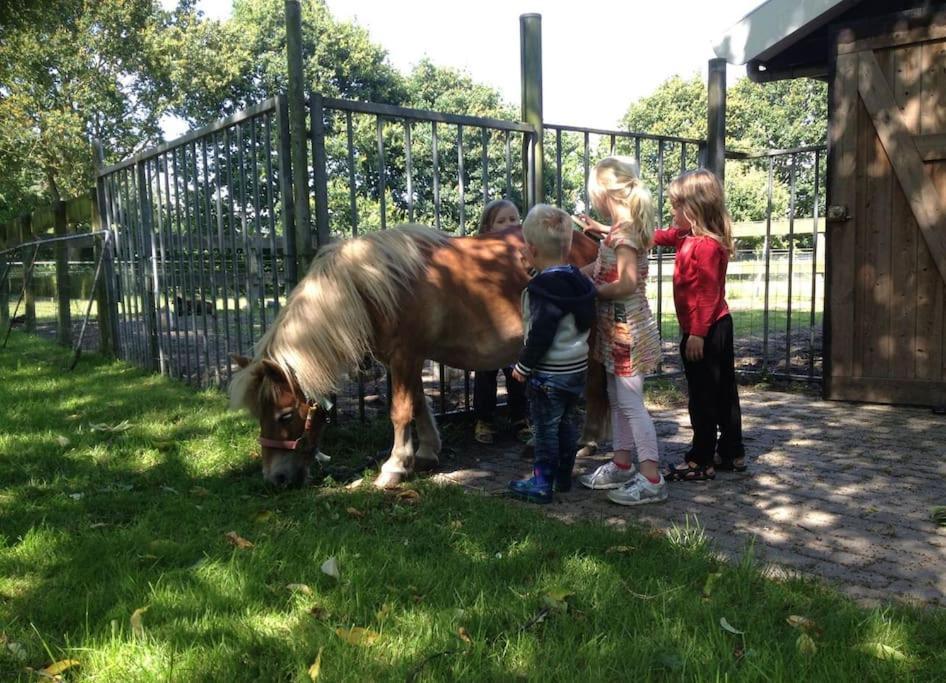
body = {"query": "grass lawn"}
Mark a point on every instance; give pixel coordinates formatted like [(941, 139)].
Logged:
[(118, 490)]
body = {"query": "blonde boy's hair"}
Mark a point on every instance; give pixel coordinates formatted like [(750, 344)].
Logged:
[(700, 195), (490, 211), (549, 230), (616, 191)]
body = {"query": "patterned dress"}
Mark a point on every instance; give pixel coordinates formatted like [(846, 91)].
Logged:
[(627, 340)]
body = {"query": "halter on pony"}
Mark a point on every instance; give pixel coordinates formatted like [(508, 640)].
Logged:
[(302, 444)]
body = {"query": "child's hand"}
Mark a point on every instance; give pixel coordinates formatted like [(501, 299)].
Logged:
[(588, 224), (518, 376), (694, 348)]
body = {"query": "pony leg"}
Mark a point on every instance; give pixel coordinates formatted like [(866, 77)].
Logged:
[(597, 416), (400, 464), (428, 452)]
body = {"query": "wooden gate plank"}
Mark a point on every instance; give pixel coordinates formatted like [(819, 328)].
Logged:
[(929, 306), (840, 236), (907, 90), (904, 156)]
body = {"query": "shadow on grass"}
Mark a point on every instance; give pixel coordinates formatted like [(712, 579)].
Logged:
[(454, 585)]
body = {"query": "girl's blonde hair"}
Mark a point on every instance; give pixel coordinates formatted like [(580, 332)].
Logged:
[(700, 194), (615, 189), (490, 211)]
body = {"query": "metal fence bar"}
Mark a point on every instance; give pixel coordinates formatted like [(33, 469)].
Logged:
[(462, 196), (381, 176), (211, 260), (508, 165), (221, 243), (231, 246), (181, 298), (660, 251), (814, 268), (585, 165), (395, 112), (164, 330), (353, 203), (194, 300), (201, 273), (435, 160), (408, 168), (484, 133), (558, 168), (791, 254), (245, 227), (174, 309), (767, 250), (152, 283), (271, 219)]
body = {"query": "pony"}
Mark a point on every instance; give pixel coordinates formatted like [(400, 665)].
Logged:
[(402, 296)]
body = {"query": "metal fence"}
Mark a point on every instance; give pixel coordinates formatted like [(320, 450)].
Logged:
[(205, 240)]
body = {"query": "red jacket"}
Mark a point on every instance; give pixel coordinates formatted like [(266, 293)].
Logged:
[(699, 279)]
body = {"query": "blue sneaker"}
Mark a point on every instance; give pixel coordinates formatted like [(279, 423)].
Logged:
[(536, 489)]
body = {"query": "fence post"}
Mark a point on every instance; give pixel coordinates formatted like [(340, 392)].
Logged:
[(29, 298), (104, 302), (530, 57), (63, 312), (716, 117), (297, 136), (151, 276), (283, 159), (322, 232), (5, 231)]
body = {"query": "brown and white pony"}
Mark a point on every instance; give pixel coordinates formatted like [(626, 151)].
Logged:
[(402, 296)]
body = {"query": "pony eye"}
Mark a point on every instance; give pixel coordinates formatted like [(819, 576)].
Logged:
[(286, 417)]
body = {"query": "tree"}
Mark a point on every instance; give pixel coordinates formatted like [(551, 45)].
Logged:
[(74, 71), (221, 67)]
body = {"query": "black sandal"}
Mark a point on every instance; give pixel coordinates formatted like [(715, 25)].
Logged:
[(732, 465), (688, 472)]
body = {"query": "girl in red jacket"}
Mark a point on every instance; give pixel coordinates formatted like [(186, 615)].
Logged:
[(702, 236)]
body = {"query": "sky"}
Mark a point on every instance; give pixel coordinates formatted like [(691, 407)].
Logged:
[(599, 56)]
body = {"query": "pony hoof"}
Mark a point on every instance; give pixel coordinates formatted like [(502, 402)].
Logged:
[(388, 480), (586, 450)]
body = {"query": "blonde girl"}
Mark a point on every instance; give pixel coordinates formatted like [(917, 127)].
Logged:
[(628, 342), (702, 235)]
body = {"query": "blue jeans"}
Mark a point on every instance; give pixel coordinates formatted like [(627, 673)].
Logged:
[(552, 403)]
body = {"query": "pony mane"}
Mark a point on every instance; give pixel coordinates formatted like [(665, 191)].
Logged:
[(326, 328)]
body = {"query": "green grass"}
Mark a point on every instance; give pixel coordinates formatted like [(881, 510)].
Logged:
[(111, 522)]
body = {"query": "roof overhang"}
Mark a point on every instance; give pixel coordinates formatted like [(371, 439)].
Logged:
[(774, 26)]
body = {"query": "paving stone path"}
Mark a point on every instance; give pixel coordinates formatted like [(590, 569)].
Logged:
[(837, 490)]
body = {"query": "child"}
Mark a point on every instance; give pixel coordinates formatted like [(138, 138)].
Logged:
[(702, 236), (558, 310), (498, 214), (628, 342)]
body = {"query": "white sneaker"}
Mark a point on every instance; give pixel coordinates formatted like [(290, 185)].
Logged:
[(607, 476), (639, 491)]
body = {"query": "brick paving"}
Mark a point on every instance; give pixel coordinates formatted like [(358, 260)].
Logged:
[(836, 490)]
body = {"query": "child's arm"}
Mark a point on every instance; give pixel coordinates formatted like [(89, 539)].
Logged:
[(545, 317), (668, 237), (628, 278)]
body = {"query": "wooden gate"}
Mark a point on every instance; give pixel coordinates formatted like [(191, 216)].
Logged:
[(886, 226)]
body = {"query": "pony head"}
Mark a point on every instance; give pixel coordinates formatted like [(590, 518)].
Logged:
[(291, 425)]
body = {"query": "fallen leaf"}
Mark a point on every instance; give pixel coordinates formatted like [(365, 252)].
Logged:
[(57, 668), (76, 496), (726, 626), (137, 625), (557, 600), (354, 512), (806, 645), (803, 624), (318, 612), (199, 491), (330, 567), (63, 443), (299, 588), (355, 484), (409, 496), (235, 539), (122, 426), (169, 489), (17, 650), (464, 635), (882, 651), (98, 525), (316, 667), (938, 514), (620, 549), (263, 515), (456, 524), (357, 635)]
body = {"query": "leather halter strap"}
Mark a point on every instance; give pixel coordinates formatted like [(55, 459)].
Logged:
[(300, 445)]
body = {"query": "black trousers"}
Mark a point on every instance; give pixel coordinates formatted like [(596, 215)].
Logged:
[(714, 399), (484, 395)]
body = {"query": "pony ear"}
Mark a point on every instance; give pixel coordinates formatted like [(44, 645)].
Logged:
[(242, 361), (275, 374)]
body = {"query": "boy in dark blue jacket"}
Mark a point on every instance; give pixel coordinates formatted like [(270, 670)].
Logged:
[(558, 309)]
